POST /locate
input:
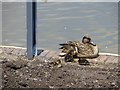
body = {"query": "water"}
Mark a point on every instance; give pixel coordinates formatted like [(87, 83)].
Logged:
[(59, 22)]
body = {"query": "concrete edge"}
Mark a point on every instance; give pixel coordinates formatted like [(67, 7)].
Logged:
[(103, 59), (12, 47), (111, 54), (101, 53)]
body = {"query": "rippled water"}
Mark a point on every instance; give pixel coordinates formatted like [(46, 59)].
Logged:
[(59, 22)]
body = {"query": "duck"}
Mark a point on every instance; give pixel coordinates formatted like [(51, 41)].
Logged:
[(83, 50)]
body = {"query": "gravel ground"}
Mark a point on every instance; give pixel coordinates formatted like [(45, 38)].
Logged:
[(18, 72)]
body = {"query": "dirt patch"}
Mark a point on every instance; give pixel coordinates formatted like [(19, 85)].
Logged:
[(18, 72)]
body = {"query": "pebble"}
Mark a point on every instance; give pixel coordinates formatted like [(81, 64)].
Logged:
[(51, 87), (85, 83), (3, 61), (14, 65), (113, 84), (27, 71), (68, 85), (23, 84), (72, 83), (96, 81), (27, 78), (30, 74), (16, 71), (0, 51), (5, 76), (59, 66), (40, 65), (35, 79), (46, 61)]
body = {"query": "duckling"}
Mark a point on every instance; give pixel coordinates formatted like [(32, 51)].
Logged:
[(76, 49), (57, 62)]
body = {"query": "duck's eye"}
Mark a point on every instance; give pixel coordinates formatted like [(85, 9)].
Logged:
[(86, 41)]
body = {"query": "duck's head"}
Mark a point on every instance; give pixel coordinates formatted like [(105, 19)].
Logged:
[(87, 39)]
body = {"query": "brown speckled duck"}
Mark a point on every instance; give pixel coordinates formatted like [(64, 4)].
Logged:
[(76, 49)]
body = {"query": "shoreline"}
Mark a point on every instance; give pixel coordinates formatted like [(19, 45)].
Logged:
[(101, 53), (103, 58)]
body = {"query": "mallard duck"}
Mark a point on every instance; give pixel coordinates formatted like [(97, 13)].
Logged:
[(76, 49)]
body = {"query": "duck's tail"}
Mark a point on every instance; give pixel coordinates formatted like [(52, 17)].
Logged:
[(64, 48), (63, 44)]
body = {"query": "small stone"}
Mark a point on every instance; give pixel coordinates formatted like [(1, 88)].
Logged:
[(96, 81), (14, 65), (4, 60), (67, 85), (27, 71), (0, 51), (46, 61), (85, 83), (40, 65), (35, 79), (23, 84), (30, 74), (40, 80), (113, 84), (51, 87), (5, 76), (27, 78), (72, 83), (59, 66), (16, 72)]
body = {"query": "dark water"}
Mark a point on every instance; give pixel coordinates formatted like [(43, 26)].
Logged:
[(59, 22)]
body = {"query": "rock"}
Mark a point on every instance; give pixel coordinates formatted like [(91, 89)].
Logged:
[(51, 87), (3, 60), (35, 79), (14, 65), (21, 83), (113, 84), (59, 66)]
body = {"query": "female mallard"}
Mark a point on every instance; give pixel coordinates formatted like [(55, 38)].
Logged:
[(82, 50)]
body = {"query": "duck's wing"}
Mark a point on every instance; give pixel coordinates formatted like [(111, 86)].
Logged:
[(73, 43), (68, 45), (88, 51), (65, 48)]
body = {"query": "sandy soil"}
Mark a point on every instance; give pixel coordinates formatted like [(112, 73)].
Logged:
[(18, 72)]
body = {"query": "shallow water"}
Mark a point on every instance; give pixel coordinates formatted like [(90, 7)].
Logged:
[(59, 22)]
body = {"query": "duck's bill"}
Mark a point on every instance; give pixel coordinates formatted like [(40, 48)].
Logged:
[(92, 43)]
